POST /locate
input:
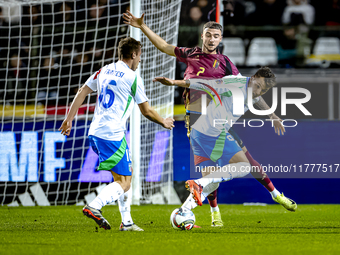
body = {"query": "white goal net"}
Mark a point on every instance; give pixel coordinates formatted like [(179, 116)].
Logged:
[(48, 49)]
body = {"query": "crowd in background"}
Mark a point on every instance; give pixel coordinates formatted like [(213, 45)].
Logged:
[(287, 21), (60, 60), (295, 25), (264, 13), (42, 38)]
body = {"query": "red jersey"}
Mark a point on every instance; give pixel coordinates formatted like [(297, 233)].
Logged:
[(204, 66)]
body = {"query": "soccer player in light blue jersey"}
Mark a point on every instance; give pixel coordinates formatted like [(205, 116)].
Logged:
[(118, 88), (210, 141)]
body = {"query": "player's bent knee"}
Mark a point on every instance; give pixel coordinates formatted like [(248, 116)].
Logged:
[(127, 187), (240, 169), (245, 168), (127, 183), (239, 157)]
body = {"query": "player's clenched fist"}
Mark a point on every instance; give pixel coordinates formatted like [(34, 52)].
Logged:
[(168, 123)]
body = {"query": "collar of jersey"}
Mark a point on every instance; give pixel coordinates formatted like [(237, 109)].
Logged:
[(124, 64)]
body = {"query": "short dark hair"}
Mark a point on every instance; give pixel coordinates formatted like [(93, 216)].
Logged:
[(213, 25), (269, 76), (127, 46)]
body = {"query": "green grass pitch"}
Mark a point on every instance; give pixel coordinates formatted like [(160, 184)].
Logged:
[(313, 229)]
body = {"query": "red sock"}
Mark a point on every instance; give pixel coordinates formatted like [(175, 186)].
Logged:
[(212, 198), (259, 175)]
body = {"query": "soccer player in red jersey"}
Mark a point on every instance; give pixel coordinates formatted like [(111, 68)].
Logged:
[(208, 63)]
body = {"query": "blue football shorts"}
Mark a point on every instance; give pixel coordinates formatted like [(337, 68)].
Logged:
[(213, 151), (113, 155)]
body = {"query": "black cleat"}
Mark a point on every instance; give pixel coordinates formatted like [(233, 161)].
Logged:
[(97, 216)]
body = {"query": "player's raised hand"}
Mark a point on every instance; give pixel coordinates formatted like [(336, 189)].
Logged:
[(277, 123), (164, 81), (133, 20), (168, 123), (66, 127)]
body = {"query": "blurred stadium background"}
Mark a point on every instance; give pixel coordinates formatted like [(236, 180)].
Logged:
[(49, 48)]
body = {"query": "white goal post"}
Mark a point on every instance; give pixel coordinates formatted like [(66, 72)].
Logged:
[(48, 48), (135, 121)]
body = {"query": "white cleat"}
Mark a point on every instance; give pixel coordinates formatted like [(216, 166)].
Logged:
[(132, 227)]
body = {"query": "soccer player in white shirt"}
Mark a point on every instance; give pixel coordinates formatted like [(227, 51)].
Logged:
[(118, 88), (211, 143), (207, 63)]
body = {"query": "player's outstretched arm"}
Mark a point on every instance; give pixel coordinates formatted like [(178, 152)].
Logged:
[(152, 115), (78, 100), (169, 82), (156, 40), (277, 122), (198, 84)]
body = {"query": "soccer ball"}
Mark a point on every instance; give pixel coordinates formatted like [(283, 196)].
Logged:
[(182, 219)]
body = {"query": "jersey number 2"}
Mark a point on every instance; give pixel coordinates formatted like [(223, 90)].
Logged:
[(202, 71), (107, 96)]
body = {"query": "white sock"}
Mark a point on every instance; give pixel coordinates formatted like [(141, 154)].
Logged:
[(231, 171), (108, 195), (211, 187), (275, 193), (206, 180), (214, 209), (189, 203), (124, 203)]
